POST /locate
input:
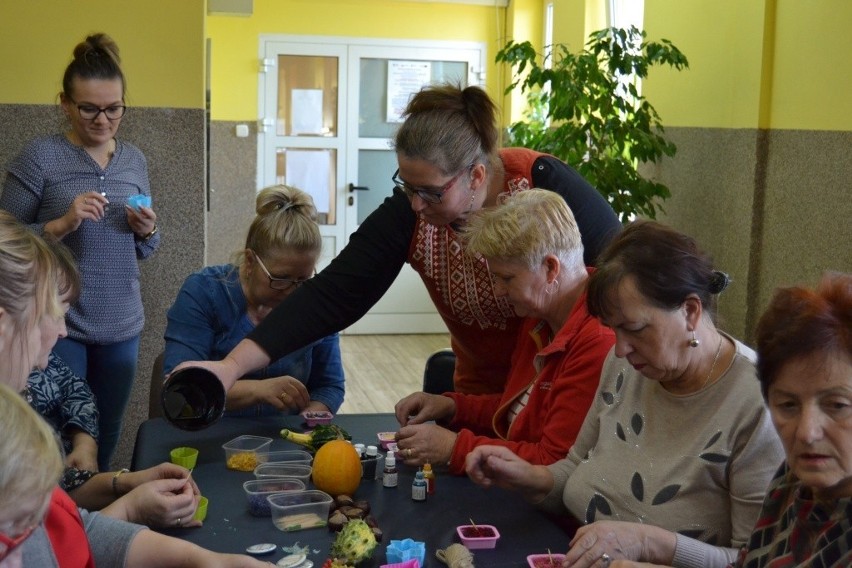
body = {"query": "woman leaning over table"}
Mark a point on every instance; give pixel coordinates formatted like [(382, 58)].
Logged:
[(672, 461), (534, 252), (450, 166), (62, 185), (39, 524), (219, 305)]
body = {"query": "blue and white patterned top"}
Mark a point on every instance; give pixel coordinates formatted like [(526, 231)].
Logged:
[(63, 399), (40, 186)]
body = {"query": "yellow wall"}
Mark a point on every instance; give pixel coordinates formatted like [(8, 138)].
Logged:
[(813, 66), (779, 64), (163, 57), (235, 40)]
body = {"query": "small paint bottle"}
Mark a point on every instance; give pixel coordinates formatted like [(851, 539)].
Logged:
[(418, 488), (429, 476), (369, 462), (390, 477)]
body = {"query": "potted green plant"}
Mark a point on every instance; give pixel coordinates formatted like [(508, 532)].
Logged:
[(585, 108)]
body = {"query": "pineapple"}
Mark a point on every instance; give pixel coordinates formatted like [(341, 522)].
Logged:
[(354, 543)]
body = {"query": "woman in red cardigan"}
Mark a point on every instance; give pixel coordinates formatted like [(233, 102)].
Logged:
[(534, 252)]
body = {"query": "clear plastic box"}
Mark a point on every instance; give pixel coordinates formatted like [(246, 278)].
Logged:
[(257, 490), (272, 470), (290, 456), (299, 510), (241, 452)]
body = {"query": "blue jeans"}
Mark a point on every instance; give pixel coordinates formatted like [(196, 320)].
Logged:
[(110, 371)]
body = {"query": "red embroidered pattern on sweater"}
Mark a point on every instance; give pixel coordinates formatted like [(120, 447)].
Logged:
[(461, 283)]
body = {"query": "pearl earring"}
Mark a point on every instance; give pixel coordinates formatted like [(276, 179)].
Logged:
[(694, 342)]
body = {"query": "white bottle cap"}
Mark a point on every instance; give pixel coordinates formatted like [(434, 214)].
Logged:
[(372, 451)]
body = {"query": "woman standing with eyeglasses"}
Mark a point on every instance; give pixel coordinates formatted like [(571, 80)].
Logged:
[(75, 186), (450, 165), (218, 306)]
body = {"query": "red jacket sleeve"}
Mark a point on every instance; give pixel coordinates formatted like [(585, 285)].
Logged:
[(563, 391)]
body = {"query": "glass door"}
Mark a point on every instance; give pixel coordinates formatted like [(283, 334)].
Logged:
[(329, 109)]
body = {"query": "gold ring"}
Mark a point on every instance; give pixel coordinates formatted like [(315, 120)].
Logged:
[(284, 396), (408, 452)]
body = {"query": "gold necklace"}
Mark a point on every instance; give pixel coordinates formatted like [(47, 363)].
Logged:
[(713, 366)]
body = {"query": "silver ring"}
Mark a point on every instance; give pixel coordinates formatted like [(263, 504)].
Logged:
[(179, 521), (606, 559)]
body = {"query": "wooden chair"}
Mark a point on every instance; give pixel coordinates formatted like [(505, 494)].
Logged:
[(155, 404), (438, 374)]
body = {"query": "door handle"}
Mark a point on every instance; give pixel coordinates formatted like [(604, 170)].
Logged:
[(353, 187)]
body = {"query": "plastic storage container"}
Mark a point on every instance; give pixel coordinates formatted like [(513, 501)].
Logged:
[(299, 510), (478, 536), (545, 560), (241, 452), (293, 470), (289, 456), (317, 417), (257, 490)]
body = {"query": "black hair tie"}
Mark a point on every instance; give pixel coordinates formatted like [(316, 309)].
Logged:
[(718, 282)]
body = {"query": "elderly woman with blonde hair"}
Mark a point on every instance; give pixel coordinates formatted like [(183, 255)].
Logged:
[(533, 248)]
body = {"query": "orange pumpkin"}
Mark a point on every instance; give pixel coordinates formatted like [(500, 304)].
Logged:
[(336, 468)]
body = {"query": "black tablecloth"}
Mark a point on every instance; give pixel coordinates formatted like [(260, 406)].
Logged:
[(230, 528)]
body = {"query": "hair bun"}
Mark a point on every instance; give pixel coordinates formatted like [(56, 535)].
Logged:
[(718, 282)]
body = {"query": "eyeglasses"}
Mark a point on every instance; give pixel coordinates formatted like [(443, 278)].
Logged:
[(91, 112), (427, 195), (281, 284), (8, 545)]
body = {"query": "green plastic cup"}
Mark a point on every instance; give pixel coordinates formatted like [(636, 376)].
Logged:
[(201, 511), (185, 457)]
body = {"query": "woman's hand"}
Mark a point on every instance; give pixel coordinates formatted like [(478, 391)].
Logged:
[(619, 541), (499, 466), (141, 221), (284, 393), (164, 503), (425, 443), (420, 407), (133, 479), (84, 454), (86, 206)]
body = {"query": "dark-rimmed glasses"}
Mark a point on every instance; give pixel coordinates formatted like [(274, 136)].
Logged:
[(427, 195), (280, 284), (91, 112), (8, 545)]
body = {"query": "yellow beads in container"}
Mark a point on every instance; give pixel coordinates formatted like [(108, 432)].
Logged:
[(243, 461), (241, 453)]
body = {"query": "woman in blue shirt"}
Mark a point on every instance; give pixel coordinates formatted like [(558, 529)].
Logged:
[(218, 306)]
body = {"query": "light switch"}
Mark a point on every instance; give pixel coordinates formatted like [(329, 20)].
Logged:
[(242, 130)]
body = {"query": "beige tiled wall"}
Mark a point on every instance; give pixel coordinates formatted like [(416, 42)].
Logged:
[(773, 208)]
